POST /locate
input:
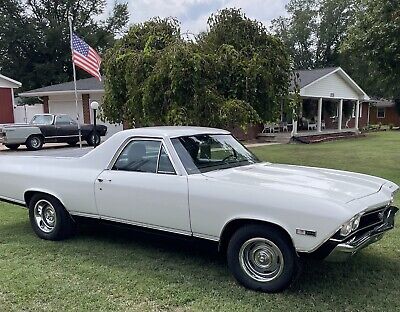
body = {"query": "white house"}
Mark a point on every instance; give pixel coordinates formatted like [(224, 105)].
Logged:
[(331, 86)]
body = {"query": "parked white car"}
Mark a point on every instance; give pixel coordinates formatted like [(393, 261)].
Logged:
[(203, 183)]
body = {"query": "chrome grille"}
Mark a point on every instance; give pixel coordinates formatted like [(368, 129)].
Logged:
[(373, 217), (368, 221)]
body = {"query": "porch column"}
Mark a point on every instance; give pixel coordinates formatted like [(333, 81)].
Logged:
[(319, 121), (340, 114), (357, 114), (294, 125), (45, 105)]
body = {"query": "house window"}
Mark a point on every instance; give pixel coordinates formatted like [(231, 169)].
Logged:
[(381, 112)]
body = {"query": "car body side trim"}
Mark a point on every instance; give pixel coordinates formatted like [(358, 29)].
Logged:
[(145, 225), (13, 201)]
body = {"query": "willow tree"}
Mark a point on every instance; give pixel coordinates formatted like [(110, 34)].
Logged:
[(154, 77)]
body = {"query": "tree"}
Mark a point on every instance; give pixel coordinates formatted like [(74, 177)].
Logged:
[(231, 76), (253, 65), (372, 48), (314, 30), (35, 37)]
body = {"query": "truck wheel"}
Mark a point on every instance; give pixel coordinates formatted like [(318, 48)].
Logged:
[(34, 142), (93, 138), (13, 147), (262, 258), (49, 219)]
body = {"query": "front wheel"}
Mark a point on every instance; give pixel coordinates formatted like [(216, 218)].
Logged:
[(93, 139), (49, 219), (262, 258)]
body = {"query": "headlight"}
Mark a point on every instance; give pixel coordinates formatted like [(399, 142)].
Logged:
[(356, 222), (346, 228), (350, 225)]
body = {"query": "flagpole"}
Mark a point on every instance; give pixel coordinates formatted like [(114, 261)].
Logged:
[(76, 92)]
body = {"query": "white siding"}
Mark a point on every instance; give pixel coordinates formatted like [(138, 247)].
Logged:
[(333, 83), (4, 83), (29, 110), (65, 105)]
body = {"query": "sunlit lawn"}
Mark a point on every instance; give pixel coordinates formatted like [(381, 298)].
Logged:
[(109, 269)]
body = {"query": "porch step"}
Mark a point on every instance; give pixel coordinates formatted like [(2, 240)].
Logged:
[(326, 137), (266, 137), (279, 137)]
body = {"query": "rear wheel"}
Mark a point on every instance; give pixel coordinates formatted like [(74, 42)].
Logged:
[(262, 258), (49, 219), (93, 139), (34, 142), (13, 147)]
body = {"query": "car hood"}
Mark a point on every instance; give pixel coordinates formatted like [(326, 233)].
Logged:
[(334, 185)]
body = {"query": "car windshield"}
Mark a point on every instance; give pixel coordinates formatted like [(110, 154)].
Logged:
[(208, 152), (42, 120)]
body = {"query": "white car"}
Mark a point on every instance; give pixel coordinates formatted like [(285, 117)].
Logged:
[(203, 183)]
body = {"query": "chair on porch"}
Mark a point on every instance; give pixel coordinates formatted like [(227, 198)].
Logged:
[(311, 126), (284, 126), (271, 128)]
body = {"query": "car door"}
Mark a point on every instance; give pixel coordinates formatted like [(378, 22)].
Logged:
[(142, 187), (66, 128), (46, 125)]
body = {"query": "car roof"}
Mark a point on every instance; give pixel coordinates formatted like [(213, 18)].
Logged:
[(172, 131)]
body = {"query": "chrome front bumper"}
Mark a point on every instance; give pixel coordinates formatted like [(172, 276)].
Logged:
[(346, 249)]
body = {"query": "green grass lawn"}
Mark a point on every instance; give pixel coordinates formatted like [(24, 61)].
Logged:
[(105, 268)]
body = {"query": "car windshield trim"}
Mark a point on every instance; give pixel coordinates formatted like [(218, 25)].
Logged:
[(203, 153)]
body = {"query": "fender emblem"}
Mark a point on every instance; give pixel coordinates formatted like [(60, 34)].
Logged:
[(306, 232)]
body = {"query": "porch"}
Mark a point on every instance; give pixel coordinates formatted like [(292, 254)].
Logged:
[(327, 116), (332, 105)]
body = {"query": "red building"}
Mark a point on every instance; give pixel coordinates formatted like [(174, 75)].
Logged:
[(384, 112), (7, 86)]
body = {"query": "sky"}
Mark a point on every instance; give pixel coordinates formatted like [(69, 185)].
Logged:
[(193, 14)]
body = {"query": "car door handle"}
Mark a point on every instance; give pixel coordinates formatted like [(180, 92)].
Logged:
[(102, 180)]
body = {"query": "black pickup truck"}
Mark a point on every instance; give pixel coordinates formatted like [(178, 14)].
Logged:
[(49, 128)]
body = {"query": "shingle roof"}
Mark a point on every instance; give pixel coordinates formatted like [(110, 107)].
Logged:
[(307, 76), (82, 84)]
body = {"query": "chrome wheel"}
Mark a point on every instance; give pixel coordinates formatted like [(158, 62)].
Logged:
[(35, 142), (45, 216), (261, 259)]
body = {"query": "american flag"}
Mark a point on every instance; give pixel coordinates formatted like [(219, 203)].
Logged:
[(85, 57)]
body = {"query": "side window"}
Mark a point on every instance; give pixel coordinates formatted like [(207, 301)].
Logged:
[(381, 112), (139, 156), (64, 120), (164, 164)]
